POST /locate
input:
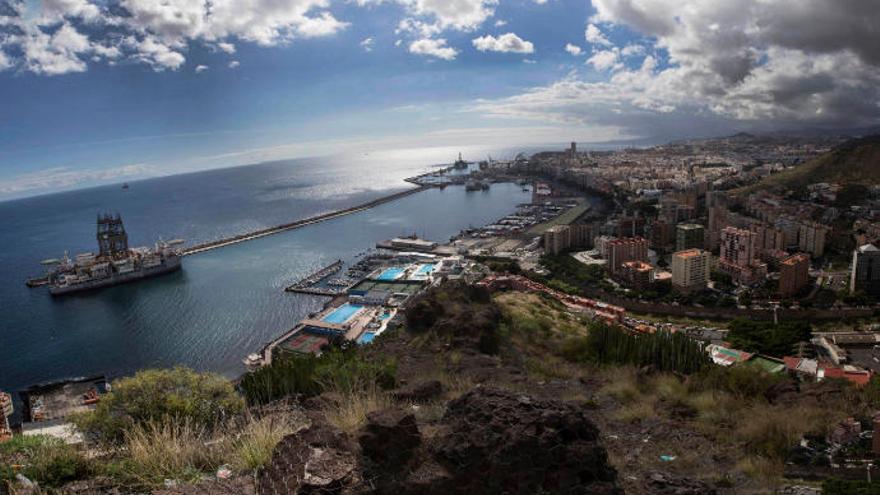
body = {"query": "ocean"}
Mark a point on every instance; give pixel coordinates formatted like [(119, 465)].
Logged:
[(225, 303)]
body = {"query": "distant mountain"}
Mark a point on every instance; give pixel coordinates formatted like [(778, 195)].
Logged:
[(854, 162)]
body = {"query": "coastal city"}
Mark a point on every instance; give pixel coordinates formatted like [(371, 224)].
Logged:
[(682, 238)]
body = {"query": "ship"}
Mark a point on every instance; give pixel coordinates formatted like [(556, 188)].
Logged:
[(476, 185), (460, 164), (114, 264), (125, 186)]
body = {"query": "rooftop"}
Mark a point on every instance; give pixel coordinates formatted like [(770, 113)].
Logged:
[(689, 253)]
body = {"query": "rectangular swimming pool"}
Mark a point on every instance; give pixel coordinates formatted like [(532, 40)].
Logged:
[(366, 338), (343, 313), (425, 269), (391, 273)]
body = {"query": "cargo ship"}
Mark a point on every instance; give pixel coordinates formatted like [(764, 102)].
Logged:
[(114, 264)]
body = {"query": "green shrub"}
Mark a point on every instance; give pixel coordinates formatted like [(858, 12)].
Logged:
[(47, 460), (287, 375), (338, 369), (766, 337), (204, 399), (849, 487), (748, 382), (664, 351)]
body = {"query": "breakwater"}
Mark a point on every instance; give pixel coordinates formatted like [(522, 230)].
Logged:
[(228, 241)]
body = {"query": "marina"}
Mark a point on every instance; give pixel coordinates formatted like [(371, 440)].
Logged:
[(365, 310), (307, 285)]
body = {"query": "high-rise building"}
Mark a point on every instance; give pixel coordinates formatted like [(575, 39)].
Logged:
[(631, 226), (689, 236), (690, 269), (716, 208), (738, 256), (767, 238), (636, 274), (557, 239), (866, 270), (790, 229), (625, 249), (811, 238), (737, 246), (662, 234), (581, 235), (600, 244), (794, 274)]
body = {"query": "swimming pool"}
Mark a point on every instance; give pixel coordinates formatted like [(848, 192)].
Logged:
[(366, 338), (391, 273), (425, 269), (343, 313)]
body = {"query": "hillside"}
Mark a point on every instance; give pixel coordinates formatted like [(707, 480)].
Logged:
[(475, 393), (855, 162)]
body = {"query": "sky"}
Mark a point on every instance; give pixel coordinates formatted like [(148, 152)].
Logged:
[(101, 91)]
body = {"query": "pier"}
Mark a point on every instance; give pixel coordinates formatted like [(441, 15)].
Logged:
[(305, 285), (228, 241)]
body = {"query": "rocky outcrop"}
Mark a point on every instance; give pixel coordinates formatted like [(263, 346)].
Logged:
[(389, 440), (421, 392), (316, 460), (495, 441), (664, 484)]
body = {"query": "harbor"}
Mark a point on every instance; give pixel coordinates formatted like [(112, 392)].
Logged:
[(257, 234), (225, 303)]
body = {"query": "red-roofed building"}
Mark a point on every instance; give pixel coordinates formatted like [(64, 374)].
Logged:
[(858, 377)]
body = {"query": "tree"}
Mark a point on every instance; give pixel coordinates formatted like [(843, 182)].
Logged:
[(766, 337)]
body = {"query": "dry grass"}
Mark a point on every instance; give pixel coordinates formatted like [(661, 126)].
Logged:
[(252, 449), (455, 384), (765, 471), (169, 449), (350, 413), (622, 385)]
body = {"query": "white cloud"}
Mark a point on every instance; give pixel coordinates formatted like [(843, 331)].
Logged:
[(367, 44), (464, 15), (500, 23), (594, 36), (573, 49), (506, 43), (54, 11), (632, 50), (5, 63), (55, 54), (201, 68), (155, 53), (433, 48), (157, 32), (428, 18), (67, 178), (234, 64), (751, 64), (605, 59)]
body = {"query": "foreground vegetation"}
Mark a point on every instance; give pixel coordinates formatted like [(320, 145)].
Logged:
[(733, 412), (181, 425)]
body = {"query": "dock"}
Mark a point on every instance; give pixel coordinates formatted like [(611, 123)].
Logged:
[(228, 241), (306, 285)]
